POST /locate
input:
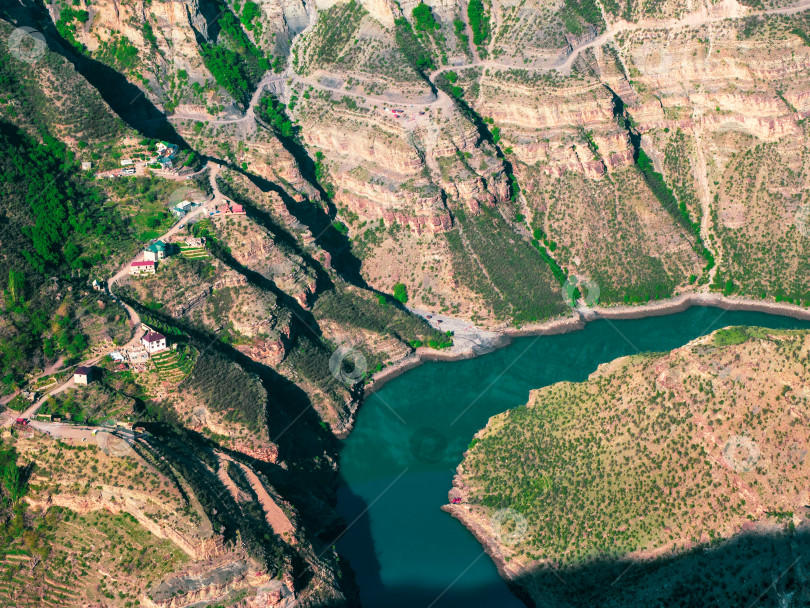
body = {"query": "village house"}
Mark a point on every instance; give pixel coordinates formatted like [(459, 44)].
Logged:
[(230, 209), (155, 252), (166, 153), (146, 267), (83, 375), (184, 207), (153, 342)]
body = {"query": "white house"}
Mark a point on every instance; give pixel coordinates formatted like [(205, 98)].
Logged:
[(156, 251), (153, 342), (145, 267), (83, 375)]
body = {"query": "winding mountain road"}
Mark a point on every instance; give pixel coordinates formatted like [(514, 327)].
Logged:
[(134, 319), (728, 9)]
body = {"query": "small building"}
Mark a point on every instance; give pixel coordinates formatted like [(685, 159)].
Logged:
[(155, 252), (86, 165), (98, 285), (182, 208), (154, 342), (117, 357), (136, 356), (126, 162), (83, 375), (145, 267), (195, 241), (164, 148), (231, 209)]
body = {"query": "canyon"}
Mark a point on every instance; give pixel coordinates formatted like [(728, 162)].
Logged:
[(406, 170)]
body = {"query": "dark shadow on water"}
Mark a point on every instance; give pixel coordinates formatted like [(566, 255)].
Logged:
[(751, 570), (733, 574)]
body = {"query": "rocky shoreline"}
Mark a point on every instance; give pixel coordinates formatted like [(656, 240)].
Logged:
[(475, 341), (489, 341)]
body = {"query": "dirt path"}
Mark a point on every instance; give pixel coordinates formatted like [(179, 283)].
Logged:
[(134, 321), (728, 9)]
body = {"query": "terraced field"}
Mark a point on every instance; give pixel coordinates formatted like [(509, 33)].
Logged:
[(174, 365), (194, 252), (85, 551)]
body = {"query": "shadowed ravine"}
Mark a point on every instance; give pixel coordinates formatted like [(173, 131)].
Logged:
[(398, 465)]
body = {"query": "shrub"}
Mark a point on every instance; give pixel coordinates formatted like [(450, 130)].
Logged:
[(401, 293), (479, 21), (423, 17)]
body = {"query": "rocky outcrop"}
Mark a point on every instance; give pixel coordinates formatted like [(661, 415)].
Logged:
[(421, 208), (209, 582), (142, 507)]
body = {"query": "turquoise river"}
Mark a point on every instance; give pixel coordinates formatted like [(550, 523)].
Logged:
[(398, 463)]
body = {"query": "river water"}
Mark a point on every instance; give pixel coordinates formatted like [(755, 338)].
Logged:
[(409, 437)]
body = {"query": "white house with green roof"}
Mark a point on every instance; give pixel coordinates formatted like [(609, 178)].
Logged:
[(155, 252)]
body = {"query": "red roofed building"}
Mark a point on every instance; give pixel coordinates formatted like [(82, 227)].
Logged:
[(154, 342), (146, 267), (231, 209)]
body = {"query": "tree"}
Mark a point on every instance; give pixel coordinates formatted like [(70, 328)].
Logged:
[(401, 293)]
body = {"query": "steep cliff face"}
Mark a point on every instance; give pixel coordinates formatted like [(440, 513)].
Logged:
[(486, 156)]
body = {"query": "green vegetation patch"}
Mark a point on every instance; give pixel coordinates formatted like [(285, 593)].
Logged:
[(676, 209), (575, 12), (628, 461), (479, 21), (731, 336), (224, 386), (234, 61), (423, 18), (411, 46), (510, 275), (336, 27)]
